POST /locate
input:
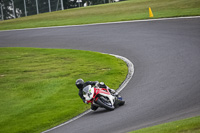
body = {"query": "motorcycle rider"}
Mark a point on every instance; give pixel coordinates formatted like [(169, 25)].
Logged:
[(80, 84)]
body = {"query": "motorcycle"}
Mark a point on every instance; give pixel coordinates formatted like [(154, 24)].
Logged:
[(101, 97)]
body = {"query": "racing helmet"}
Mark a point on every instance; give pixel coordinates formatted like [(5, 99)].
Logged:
[(79, 83)]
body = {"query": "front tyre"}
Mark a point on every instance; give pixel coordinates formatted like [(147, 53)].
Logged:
[(105, 104)]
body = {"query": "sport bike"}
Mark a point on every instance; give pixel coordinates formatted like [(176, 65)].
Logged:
[(101, 97)]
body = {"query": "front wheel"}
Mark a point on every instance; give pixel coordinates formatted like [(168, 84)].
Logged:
[(105, 104)]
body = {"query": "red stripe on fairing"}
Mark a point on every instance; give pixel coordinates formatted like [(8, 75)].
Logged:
[(98, 91), (96, 98), (103, 90)]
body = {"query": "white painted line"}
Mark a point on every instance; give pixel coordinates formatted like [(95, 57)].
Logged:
[(73, 119), (122, 86), (131, 21), (130, 72)]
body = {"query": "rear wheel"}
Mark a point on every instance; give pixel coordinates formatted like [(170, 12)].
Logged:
[(105, 103), (119, 101)]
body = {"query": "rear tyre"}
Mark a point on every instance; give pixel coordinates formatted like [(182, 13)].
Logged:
[(121, 103), (105, 104)]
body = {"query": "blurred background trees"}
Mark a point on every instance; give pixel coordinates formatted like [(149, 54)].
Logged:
[(10, 9)]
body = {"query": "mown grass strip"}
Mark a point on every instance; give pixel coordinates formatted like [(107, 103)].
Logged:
[(121, 11), (190, 125), (37, 86)]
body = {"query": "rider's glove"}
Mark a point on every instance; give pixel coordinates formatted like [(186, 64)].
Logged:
[(86, 102)]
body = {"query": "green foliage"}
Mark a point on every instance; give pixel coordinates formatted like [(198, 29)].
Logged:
[(37, 86), (6, 7), (43, 6)]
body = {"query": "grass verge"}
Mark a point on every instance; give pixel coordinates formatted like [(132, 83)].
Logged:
[(37, 86), (190, 125), (121, 11)]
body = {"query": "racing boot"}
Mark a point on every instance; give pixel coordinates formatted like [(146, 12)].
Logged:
[(93, 107)]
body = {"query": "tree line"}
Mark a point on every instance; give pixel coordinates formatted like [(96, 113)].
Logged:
[(18, 8)]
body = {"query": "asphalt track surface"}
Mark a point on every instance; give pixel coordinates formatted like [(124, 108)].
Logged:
[(166, 55)]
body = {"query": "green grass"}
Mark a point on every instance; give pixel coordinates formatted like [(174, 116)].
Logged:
[(121, 11), (37, 86), (190, 125)]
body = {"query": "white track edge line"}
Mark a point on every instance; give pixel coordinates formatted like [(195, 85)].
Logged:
[(122, 86), (131, 21), (130, 72)]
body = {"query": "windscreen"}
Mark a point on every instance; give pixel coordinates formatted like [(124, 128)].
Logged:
[(86, 89)]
